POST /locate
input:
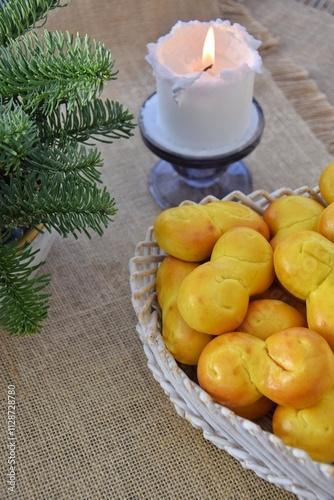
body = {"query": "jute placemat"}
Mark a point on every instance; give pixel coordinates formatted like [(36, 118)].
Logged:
[(92, 423), (297, 50)]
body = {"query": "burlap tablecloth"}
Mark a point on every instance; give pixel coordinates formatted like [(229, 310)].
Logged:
[(92, 423)]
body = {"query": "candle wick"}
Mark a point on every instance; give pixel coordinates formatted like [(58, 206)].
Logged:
[(208, 67)]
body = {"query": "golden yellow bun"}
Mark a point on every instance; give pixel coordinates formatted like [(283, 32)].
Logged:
[(222, 369), (186, 232), (325, 224), (249, 256), (170, 275), (189, 232), (326, 183), (302, 262), (267, 316), (214, 297), (291, 213), (320, 310), (296, 369), (310, 429), (183, 342), (229, 214), (211, 302)]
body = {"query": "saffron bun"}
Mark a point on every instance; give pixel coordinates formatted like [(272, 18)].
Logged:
[(302, 262), (304, 265), (325, 224), (183, 342), (228, 214), (222, 372), (291, 213), (214, 297), (222, 369), (310, 429), (249, 256), (186, 232), (170, 275), (296, 369), (267, 316), (189, 232), (320, 310), (326, 183), (211, 302)]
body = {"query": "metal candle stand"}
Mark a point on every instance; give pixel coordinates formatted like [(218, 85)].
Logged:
[(178, 177)]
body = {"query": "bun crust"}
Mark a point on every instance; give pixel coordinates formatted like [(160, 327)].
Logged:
[(310, 429)]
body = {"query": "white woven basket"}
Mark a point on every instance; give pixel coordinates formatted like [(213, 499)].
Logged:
[(252, 444)]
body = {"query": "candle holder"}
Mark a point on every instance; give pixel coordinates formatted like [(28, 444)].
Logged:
[(179, 176)]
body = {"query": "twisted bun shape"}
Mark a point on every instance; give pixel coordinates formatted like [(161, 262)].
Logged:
[(183, 342), (304, 265), (293, 368), (214, 297), (189, 232)]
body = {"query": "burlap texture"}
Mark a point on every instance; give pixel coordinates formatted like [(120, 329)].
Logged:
[(92, 423)]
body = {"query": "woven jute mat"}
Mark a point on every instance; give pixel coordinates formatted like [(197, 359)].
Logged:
[(91, 422)]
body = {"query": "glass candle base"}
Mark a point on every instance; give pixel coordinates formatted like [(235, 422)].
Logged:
[(168, 188), (180, 176)]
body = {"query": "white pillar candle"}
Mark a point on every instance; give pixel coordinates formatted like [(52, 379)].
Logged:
[(200, 109)]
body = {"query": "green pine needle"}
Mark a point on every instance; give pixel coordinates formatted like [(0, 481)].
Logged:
[(23, 307), (71, 159), (50, 111), (54, 68), (95, 120), (18, 16), (63, 203), (18, 138)]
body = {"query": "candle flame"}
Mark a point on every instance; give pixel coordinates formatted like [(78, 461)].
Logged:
[(208, 54)]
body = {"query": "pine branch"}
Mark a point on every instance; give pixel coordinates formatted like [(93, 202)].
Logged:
[(18, 138), (47, 71), (21, 150), (19, 16), (23, 307), (66, 203), (50, 110), (71, 158), (91, 121)]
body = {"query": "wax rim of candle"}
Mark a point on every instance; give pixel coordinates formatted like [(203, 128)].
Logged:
[(236, 33)]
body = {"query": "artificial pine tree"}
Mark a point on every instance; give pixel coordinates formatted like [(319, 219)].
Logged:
[(51, 116)]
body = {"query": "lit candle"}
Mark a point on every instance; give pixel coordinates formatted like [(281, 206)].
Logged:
[(204, 80)]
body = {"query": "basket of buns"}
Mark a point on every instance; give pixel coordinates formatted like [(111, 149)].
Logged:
[(235, 302)]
